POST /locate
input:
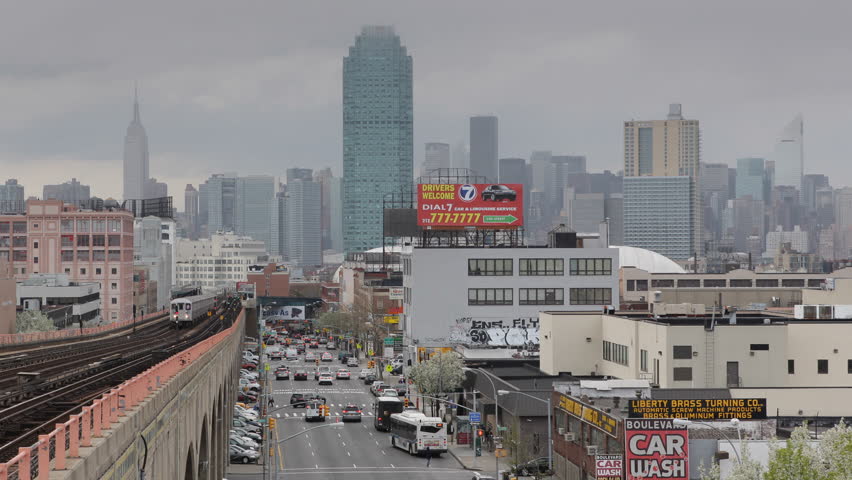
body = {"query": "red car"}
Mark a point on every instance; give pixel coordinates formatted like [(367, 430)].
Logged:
[(246, 397), (249, 366)]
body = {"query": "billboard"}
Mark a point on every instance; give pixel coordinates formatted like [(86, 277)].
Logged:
[(608, 467), (286, 313), (656, 449), (396, 293), (589, 415), (699, 409), (487, 205)]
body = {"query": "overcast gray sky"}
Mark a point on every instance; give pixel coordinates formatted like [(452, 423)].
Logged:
[(255, 87)]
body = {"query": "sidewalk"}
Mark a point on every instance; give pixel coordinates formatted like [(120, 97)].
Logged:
[(485, 463)]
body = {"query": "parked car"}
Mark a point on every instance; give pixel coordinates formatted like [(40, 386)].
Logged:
[(242, 455), (246, 424), (245, 433), (245, 413), (537, 466), (249, 374), (243, 442), (363, 373), (249, 365), (351, 413), (498, 192), (246, 384), (246, 397), (389, 392), (369, 379)]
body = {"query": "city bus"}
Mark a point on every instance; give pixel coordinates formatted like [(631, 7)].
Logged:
[(382, 411), (416, 433)]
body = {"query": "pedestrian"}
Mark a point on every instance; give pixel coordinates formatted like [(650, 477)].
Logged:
[(271, 402), (428, 457)]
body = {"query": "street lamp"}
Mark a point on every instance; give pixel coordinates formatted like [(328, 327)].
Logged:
[(496, 416), (734, 422), (549, 423)]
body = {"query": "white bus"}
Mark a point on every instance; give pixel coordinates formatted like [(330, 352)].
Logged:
[(416, 433)]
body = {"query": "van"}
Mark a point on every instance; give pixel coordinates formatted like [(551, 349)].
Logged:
[(292, 354), (313, 412)]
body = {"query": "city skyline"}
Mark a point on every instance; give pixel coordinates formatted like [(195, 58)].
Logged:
[(189, 107)]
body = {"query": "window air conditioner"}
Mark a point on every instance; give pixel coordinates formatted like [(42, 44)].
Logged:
[(569, 437), (591, 450), (561, 430)]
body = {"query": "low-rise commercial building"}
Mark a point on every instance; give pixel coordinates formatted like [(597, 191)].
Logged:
[(222, 260), (270, 280), (41, 292)]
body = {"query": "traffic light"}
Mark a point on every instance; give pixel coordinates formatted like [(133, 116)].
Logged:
[(324, 410), (271, 423), (477, 442), (406, 402)]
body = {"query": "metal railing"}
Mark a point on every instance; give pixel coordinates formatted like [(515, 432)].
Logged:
[(38, 337)]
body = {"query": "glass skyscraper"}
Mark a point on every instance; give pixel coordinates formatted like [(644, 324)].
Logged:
[(378, 124), (750, 178)]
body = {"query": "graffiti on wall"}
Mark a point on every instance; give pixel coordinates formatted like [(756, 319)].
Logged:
[(516, 332)]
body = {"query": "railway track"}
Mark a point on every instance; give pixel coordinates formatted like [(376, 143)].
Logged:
[(39, 409)]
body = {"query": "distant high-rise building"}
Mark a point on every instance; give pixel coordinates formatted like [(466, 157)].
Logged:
[(253, 202), (614, 213), (483, 147), (514, 170), (220, 200), (335, 203), (190, 197), (299, 174), (323, 178), (303, 223), (659, 214), (437, 156), (663, 148), (540, 167), (461, 155), (12, 197), (72, 192), (843, 207), (810, 185), (136, 171), (378, 122), (751, 177), (560, 171), (155, 189), (278, 239), (789, 155)]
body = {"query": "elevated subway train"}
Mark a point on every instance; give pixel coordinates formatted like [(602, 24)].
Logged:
[(187, 311)]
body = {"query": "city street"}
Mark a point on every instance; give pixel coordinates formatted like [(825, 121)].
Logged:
[(355, 451)]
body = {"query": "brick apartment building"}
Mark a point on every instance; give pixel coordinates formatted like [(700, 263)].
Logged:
[(87, 245)]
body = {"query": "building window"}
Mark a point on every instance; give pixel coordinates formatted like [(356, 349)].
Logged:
[(98, 226), (19, 227), (791, 366), (68, 271), (489, 267), (714, 283), (682, 352), (35, 259), (114, 271), (19, 256), (82, 271), (98, 271), (35, 244), (815, 282), (740, 283), (643, 360), (613, 352), (591, 296), (114, 240), (849, 366), (98, 241), (793, 282), (82, 226), (113, 285), (641, 285), (767, 283), (662, 283), (67, 255), (822, 367), (489, 296), (67, 226), (541, 266), (113, 301), (631, 285), (682, 374), (82, 240), (114, 226), (591, 266), (541, 296), (759, 346), (689, 283)]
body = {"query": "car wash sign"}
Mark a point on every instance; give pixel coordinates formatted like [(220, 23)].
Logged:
[(656, 449), (608, 467)]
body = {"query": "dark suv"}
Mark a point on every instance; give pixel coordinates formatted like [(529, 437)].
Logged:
[(498, 192), (297, 400)]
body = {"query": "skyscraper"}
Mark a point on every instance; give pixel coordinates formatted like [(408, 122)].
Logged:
[(378, 122), (437, 156), (190, 209), (663, 148), (750, 178), (540, 165), (12, 197), (303, 223), (483, 147), (72, 192), (220, 195), (136, 172), (323, 178), (253, 204), (299, 174), (789, 155)]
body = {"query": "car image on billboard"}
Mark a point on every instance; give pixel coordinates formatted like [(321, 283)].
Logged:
[(486, 205)]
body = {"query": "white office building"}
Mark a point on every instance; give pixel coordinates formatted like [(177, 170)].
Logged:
[(221, 260), (491, 297)]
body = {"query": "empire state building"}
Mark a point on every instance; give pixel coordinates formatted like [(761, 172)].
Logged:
[(135, 157)]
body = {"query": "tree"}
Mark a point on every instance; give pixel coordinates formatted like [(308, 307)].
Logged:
[(441, 373), (33, 321)]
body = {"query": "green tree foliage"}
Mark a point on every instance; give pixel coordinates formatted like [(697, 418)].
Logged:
[(33, 321)]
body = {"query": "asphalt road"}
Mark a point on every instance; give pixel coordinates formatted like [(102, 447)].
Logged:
[(354, 451)]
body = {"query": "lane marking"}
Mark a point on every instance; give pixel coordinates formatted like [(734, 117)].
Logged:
[(344, 443), (392, 466), (347, 453), (383, 452)]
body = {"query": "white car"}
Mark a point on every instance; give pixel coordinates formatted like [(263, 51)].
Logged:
[(389, 392), (247, 384), (352, 362), (249, 374), (326, 379), (364, 372), (244, 442), (377, 387), (343, 374), (245, 413)]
